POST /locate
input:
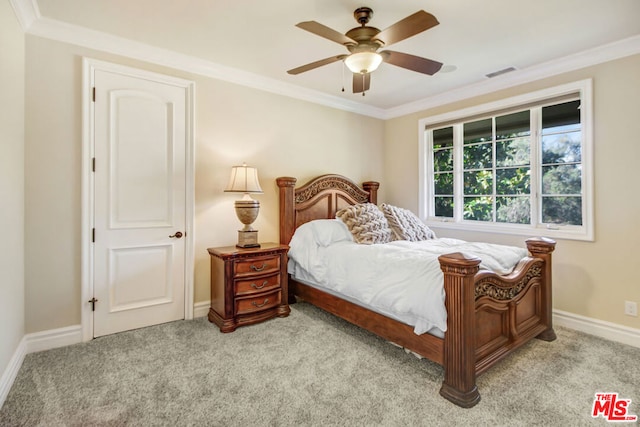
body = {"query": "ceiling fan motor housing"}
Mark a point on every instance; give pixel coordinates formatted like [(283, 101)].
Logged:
[(364, 36)]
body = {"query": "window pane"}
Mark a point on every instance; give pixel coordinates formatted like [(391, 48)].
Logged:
[(443, 138), (513, 125), (512, 181), (562, 179), (562, 148), (478, 208), (478, 156), (443, 160), (513, 152), (478, 182), (561, 117), (479, 131), (443, 183), (561, 168), (514, 210), (562, 210), (444, 206)]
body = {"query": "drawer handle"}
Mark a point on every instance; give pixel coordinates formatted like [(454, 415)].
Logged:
[(254, 286), (254, 268), (255, 304)]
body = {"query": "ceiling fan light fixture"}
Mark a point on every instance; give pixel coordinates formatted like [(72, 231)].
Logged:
[(363, 62)]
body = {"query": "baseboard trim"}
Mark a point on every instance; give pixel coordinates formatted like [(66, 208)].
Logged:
[(201, 309), (599, 328), (54, 338), (11, 372)]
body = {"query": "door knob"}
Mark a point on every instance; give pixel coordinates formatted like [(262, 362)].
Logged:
[(177, 235)]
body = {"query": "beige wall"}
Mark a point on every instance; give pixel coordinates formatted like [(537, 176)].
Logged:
[(12, 50), (591, 279), (283, 136), (279, 135)]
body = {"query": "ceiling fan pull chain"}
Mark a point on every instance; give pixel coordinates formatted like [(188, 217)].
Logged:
[(343, 65), (363, 86)]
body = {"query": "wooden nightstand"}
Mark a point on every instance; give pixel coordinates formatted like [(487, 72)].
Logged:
[(248, 285)]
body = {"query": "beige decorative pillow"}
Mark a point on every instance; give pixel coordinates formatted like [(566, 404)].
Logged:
[(406, 225), (366, 222)]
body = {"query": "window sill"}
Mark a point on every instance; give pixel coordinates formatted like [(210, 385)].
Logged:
[(563, 233)]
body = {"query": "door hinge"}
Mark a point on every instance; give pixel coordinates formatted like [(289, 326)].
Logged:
[(93, 95), (93, 235), (93, 164), (93, 302)]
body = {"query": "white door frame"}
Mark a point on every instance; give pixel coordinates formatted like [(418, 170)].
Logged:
[(89, 66)]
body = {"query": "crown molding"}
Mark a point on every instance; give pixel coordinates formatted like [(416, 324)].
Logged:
[(36, 25), (33, 23), (27, 12), (608, 52)]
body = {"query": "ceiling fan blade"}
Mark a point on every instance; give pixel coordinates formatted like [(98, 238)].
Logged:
[(407, 27), (326, 32), (361, 82), (316, 64), (411, 62)]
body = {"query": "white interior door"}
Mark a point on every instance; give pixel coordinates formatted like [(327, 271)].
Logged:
[(140, 133)]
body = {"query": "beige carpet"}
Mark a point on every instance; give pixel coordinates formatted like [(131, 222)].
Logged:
[(308, 369)]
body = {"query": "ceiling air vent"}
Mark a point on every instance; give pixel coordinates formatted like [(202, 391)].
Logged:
[(500, 72)]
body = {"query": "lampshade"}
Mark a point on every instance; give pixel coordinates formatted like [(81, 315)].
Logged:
[(363, 62), (243, 179)]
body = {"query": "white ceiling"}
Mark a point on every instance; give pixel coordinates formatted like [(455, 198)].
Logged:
[(258, 38)]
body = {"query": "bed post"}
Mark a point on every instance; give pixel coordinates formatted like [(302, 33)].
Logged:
[(541, 247), (372, 188), (459, 385), (287, 208)]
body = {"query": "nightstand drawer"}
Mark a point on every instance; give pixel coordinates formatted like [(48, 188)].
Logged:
[(258, 284), (256, 265), (258, 303)]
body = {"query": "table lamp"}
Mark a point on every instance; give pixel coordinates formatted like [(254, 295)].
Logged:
[(244, 179)]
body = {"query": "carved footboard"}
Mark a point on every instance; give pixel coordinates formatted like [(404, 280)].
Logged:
[(490, 315)]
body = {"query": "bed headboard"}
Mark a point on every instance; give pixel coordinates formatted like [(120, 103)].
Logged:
[(319, 198)]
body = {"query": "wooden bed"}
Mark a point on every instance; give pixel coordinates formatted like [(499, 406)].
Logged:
[(488, 316)]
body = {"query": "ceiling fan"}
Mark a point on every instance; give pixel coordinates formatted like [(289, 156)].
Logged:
[(363, 43)]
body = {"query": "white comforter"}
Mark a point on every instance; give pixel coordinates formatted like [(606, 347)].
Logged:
[(400, 279)]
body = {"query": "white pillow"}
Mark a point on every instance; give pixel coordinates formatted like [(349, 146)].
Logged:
[(308, 239), (321, 232), (329, 231)]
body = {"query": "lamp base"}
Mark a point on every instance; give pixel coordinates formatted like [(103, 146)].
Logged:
[(248, 239)]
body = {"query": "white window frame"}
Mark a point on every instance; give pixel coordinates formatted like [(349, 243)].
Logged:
[(425, 185)]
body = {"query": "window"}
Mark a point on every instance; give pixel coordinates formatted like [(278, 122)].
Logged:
[(521, 166)]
